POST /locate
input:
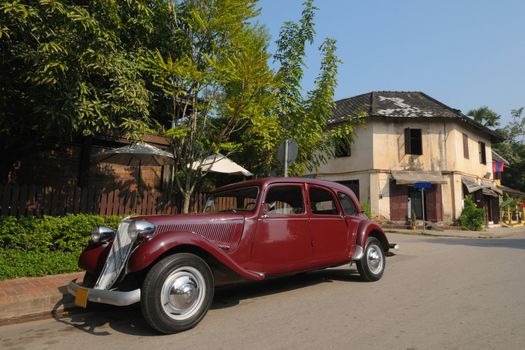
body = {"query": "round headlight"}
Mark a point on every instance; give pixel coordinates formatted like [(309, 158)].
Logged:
[(95, 236), (102, 234), (140, 228)]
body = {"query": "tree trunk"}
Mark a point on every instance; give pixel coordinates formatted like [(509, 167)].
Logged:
[(186, 203)]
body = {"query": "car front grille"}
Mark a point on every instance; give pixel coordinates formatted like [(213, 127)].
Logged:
[(117, 257)]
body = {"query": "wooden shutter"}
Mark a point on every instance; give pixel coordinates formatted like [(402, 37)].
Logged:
[(482, 154), (465, 146), (407, 141), (398, 202), (433, 204)]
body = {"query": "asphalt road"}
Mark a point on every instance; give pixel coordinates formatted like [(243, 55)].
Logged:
[(437, 293)]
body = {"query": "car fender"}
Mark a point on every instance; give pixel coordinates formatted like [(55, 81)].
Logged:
[(369, 228), (148, 252)]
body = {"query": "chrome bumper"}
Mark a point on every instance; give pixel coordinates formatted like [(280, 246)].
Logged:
[(111, 297)]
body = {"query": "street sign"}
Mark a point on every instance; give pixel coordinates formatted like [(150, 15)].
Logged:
[(287, 153), (292, 151), (422, 185)]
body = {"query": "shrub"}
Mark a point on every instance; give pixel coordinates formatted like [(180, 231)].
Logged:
[(366, 209), (31, 246), (50, 233), (471, 217), (16, 263)]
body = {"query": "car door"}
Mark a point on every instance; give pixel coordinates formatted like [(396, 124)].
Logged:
[(329, 229), (352, 217), (282, 240)]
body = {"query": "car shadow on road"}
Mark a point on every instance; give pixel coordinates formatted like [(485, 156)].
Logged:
[(100, 319), (232, 295), (515, 243)]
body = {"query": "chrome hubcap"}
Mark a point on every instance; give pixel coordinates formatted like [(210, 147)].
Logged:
[(374, 259), (183, 293)]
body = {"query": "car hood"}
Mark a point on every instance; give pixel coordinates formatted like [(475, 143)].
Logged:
[(224, 229)]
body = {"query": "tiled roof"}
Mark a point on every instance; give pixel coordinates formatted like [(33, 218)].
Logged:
[(402, 105)]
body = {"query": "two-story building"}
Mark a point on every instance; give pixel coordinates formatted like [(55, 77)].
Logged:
[(410, 138)]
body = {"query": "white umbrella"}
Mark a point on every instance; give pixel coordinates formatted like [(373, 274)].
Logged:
[(135, 154), (220, 164)]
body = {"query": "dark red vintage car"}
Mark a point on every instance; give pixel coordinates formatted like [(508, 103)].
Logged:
[(252, 230)]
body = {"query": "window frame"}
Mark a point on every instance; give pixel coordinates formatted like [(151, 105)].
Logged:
[(334, 200), (466, 154), (482, 152), (410, 137), (339, 194), (280, 185), (216, 195), (342, 149)]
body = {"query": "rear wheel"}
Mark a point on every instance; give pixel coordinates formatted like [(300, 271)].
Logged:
[(372, 265), (177, 292)]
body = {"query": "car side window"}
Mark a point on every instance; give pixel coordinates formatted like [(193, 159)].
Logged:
[(322, 202), (284, 200), (347, 203)]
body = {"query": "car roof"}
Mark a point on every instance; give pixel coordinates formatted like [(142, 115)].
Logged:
[(263, 182)]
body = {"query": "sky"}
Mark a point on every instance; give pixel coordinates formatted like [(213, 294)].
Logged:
[(464, 53)]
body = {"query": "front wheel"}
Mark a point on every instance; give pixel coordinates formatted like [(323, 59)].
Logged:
[(372, 265), (177, 292)]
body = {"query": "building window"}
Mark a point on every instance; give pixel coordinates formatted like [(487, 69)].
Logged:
[(465, 146), (342, 149), (413, 143), (353, 185), (482, 153)]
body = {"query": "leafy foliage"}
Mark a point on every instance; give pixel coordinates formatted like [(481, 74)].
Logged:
[(485, 116), (513, 150), (50, 233), (215, 73), (67, 68), (16, 263), (32, 246), (471, 217), (366, 209), (195, 71), (301, 117)]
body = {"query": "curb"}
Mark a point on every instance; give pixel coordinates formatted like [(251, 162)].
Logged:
[(458, 234), (31, 298)]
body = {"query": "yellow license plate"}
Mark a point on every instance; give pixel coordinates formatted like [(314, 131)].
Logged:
[(81, 297)]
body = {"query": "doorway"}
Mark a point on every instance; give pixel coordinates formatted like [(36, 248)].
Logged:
[(416, 202)]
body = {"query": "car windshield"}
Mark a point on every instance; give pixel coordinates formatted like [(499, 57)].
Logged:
[(239, 199)]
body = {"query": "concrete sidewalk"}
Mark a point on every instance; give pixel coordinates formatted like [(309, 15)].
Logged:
[(495, 232), (29, 298)]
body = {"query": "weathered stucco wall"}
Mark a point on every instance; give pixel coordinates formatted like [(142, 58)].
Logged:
[(360, 159), (379, 147)]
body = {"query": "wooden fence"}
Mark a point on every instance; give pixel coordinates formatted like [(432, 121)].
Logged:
[(58, 201)]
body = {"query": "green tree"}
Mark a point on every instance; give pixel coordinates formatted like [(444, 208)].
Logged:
[(67, 69), (72, 68), (292, 114), (485, 116), (513, 150), (215, 74)]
